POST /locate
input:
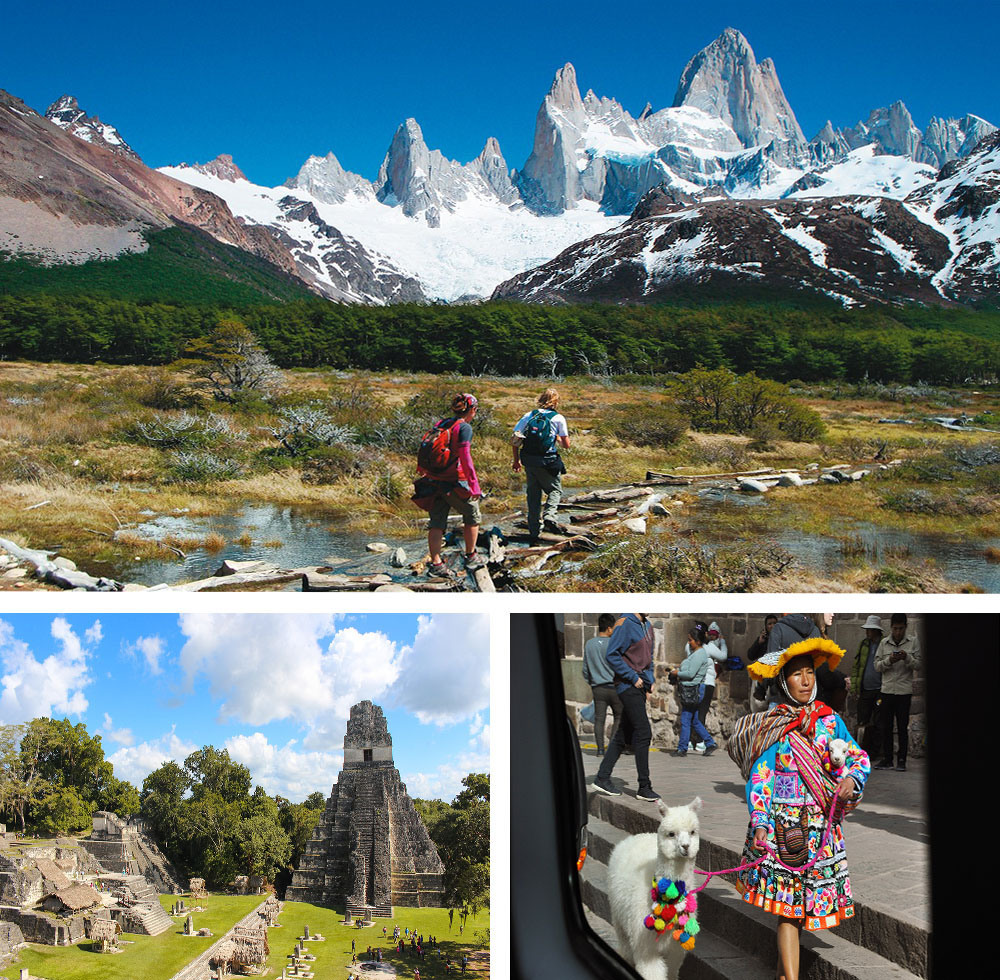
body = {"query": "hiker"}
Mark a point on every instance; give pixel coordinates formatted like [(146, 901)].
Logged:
[(535, 445), (448, 479)]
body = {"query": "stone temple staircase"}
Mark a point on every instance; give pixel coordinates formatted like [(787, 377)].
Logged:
[(738, 942), (142, 912)]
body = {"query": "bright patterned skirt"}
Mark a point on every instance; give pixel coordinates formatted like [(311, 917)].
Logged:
[(820, 896)]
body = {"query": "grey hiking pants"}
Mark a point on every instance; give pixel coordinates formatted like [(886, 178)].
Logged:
[(542, 480)]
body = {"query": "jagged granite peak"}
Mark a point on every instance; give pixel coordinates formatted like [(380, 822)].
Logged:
[(827, 146), (326, 180), (725, 80), (565, 93), (222, 167), (66, 113), (492, 167), (893, 131), (945, 140)]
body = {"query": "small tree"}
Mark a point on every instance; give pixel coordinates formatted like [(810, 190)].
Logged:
[(230, 363)]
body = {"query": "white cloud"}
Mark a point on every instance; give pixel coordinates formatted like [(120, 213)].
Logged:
[(150, 648), (34, 688), (445, 783), (287, 667), (123, 736), (136, 762), (445, 675), (283, 770)]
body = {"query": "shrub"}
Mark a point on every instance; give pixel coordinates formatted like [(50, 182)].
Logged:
[(722, 401), (648, 565), (328, 464), (644, 424), (198, 466)]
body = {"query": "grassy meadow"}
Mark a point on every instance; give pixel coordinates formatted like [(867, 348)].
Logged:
[(160, 957), (142, 957), (101, 447)]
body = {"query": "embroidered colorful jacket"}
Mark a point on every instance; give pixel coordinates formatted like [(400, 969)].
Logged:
[(769, 773)]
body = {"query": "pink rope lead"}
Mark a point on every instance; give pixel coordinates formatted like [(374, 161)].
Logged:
[(769, 849)]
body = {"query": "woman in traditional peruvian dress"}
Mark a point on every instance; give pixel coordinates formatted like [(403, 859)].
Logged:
[(791, 782)]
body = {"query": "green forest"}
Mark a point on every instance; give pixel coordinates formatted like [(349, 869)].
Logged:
[(206, 814), (829, 343)]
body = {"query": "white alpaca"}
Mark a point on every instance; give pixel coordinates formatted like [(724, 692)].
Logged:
[(635, 862)]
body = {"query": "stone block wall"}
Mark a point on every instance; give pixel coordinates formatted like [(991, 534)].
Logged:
[(733, 687)]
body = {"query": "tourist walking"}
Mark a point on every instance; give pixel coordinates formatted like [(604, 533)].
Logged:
[(718, 653), (867, 683), (630, 653), (897, 660), (690, 677), (803, 877), (538, 436), (598, 674), (448, 481)]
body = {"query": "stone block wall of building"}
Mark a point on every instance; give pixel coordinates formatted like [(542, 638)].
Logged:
[(733, 687)]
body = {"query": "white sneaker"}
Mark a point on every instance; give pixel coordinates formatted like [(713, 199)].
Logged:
[(700, 748)]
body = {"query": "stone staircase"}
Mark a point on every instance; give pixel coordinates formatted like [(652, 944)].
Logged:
[(737, 942), (143, 914)]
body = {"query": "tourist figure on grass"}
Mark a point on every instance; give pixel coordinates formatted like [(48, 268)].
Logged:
[(598, 674), (867, 682), (690, 677), (448, 480), (630, 653), (897, 660), (784, 756), (538, 436)]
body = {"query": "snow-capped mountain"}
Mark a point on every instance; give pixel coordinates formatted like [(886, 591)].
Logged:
[(334, 264), (458, 251), (431, 227), (66, 113), (938, 243)]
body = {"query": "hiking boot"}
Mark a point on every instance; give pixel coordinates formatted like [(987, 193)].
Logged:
[(648, 794), (553, 528), (606, 788), (473, 562), (709, 749), (679, 754), (439, 569), (900, 767)]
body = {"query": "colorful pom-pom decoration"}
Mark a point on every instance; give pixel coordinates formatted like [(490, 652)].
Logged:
[(673, 911)]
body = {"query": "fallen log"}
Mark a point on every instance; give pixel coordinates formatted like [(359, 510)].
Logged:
[(49, 571), (593, 515)]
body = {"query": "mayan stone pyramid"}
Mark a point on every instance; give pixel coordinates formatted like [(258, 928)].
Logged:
[(370, 849)]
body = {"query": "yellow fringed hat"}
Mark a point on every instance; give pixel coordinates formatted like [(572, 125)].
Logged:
[(820, 649)]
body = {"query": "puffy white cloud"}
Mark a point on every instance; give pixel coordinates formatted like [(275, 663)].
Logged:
[(123, 736), (445, 675), (300, 667), (150, 649), (34, 688), (136, 762), (284, 770), (445, 782)]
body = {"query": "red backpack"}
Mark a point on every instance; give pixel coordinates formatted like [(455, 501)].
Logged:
[(436, 453)]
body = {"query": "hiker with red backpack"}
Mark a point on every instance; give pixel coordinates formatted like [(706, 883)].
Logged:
[(447, 479), (537, 438)]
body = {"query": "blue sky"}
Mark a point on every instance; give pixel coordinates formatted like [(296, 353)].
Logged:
[(272, 83), (274, 689)]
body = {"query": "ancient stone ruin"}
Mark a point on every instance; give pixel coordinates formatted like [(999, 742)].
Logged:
[(370, 849), (57, 892)]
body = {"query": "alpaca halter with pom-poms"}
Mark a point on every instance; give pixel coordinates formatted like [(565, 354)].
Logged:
[(674, 911)]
